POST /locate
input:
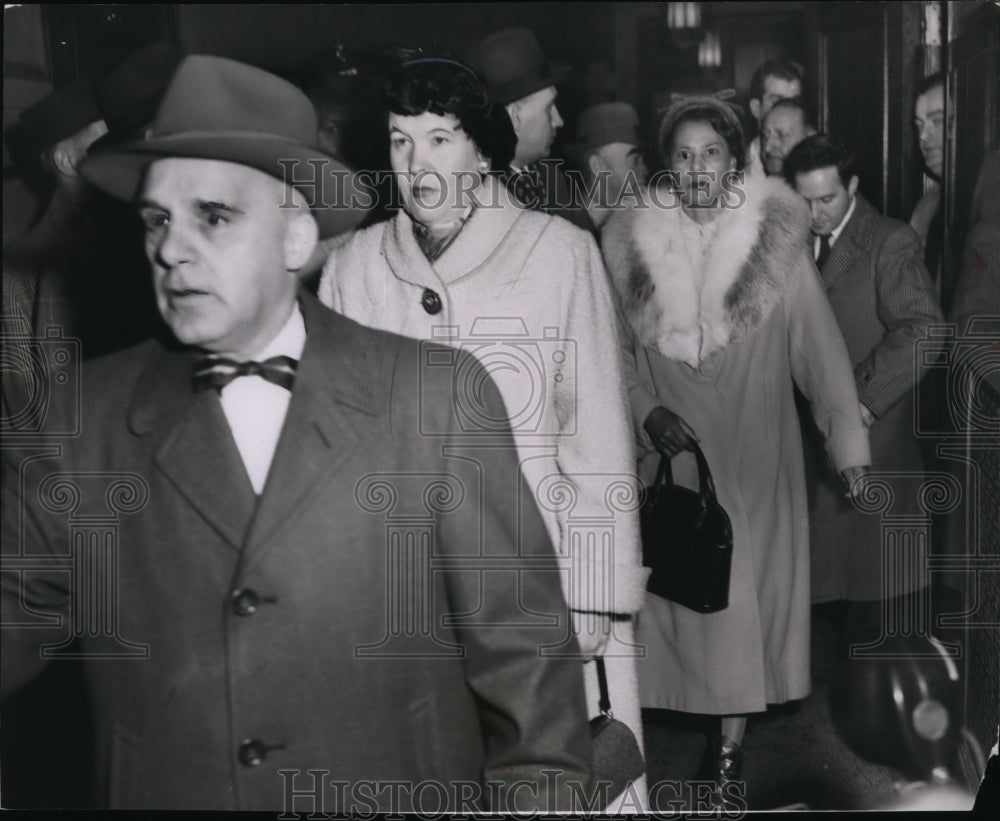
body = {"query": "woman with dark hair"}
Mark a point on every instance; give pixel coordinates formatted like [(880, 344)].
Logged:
[(464, 265), (727, 312)]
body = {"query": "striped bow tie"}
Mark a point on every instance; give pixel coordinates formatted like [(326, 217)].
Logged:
[(217, 371)]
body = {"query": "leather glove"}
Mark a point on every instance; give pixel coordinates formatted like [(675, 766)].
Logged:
[(669, 433)]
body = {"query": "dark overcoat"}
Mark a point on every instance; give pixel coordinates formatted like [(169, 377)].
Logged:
[(884, 302), (368, 616)]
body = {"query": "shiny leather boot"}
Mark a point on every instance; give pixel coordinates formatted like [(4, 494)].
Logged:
[(723, 764)]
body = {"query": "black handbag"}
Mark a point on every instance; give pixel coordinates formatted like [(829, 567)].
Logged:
[(616, 758), (687, 540)]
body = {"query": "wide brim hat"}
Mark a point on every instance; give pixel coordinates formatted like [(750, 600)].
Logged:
[(603, 124), (513, 64), (219, 109), (129, 95)]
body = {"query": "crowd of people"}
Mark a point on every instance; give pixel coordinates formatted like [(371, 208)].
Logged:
[(387, 460)]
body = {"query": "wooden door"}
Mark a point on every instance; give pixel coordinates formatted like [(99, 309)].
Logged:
[(866, 65)]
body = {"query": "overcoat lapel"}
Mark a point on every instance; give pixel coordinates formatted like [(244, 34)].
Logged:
[(194, 447), (317, 436)]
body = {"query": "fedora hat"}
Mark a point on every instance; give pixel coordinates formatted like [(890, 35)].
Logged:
[(59, 114), (129, 95), (603, 124), (218, 109), (513, 64)]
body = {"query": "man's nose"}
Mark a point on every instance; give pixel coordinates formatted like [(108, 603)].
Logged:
[(557, 120), (814, 210), (173, 248)]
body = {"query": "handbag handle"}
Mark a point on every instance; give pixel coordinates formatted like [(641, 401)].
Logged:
[(602, 683), (706, 486)]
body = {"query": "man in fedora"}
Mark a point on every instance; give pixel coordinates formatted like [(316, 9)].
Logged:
[(608, 152), (276, 567), (523, 82)]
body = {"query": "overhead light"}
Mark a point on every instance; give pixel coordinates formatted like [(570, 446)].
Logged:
[(683, 15), (710, 51)]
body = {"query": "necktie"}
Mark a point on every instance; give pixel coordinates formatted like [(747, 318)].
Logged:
[(824, 250), (217, 371), (528, 187)]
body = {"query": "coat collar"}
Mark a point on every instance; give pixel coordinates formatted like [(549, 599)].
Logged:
[(475, 245), (686, 313), (195, 449)]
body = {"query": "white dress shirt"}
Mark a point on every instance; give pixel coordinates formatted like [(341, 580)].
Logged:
[(256, 408), (836, 231)]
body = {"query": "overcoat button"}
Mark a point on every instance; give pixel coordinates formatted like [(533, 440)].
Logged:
[(245, 601), (431, 302), (252, 753)]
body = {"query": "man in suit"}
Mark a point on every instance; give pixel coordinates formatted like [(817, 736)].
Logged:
[(787, 124), (772, 81), (609, 154), (873, 272), (521, 79), (275, 559), (927, 218)]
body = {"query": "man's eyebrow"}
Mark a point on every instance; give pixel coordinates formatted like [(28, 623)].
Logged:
[(209, 205), (144, 203)]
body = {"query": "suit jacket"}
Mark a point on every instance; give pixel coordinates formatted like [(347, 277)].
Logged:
[(369, 615), (884, 302)]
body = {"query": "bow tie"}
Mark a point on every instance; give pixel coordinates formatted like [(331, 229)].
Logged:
[(217, 371)]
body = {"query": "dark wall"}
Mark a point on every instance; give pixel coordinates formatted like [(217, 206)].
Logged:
[(279, 37)]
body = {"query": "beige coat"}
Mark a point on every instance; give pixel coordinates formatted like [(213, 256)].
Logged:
[(722, 347), (528, 295)]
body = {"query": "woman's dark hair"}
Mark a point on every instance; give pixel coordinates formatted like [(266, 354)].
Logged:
[(442, 85), (726, 127)]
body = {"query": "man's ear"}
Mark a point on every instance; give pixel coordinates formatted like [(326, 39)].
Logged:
[(64, 159), (514, 112), (301, 235), (852, 185), (755, 109), (594, 162)]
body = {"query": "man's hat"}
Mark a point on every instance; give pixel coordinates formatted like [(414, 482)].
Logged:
[(128, 95), (603, 124), (218, 109), (513, 64), (60, 114)]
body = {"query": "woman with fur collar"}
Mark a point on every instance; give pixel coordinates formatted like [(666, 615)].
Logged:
[(463, 264), (726, 312)]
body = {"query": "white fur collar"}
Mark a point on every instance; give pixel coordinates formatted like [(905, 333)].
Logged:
[(686, 314)]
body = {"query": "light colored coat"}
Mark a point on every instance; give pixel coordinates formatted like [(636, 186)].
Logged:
[(721, 347), (528, 295)]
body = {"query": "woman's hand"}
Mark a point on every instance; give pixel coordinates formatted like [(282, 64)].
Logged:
[(669, 433)]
